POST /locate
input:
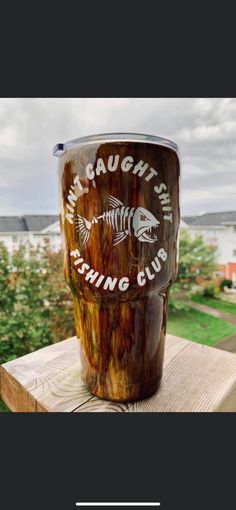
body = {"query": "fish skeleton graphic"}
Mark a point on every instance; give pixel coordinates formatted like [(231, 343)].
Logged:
[(124, 220)]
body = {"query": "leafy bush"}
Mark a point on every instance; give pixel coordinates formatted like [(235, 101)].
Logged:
[(35, 303), (210, 290), (226, 283), (207, 289), (176, 302), (196, 259)]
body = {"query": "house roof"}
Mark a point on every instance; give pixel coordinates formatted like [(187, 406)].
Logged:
[(188, 219), (211, 219), (33, 223), (37, 223)]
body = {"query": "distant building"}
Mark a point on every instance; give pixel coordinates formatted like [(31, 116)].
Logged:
[(218, 230), (30, 229)]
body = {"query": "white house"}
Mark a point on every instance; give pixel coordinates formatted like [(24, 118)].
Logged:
[(218, 230), (32, 229)]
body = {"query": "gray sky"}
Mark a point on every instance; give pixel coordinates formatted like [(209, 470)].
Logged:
[(204, 129)]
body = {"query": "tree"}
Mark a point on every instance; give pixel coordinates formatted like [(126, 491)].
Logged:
[(35, 302), (196, 258)]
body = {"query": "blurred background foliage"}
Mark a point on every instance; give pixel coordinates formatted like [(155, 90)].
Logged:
[(35, 303), (36, 307)]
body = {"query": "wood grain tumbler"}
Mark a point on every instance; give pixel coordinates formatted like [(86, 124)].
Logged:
[(119, 220)]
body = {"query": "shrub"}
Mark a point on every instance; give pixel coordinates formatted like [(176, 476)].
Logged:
[(176, 302), (197, 260), (210, 290), (35, 303), (226, 283)]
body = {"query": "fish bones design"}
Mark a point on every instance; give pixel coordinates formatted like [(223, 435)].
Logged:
[(125, 221)]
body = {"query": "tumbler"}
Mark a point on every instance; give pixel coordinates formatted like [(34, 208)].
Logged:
[(119, 202)]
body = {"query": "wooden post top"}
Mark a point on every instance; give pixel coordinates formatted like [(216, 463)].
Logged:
[(196, 378)]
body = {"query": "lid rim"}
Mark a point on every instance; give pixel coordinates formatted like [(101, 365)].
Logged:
[(60, 148)]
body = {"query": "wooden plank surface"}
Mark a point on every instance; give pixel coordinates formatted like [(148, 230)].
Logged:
[(196, 378)]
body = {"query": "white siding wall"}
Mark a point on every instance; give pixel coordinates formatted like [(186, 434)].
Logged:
[(53, 239), (224, 238), (12, 241)]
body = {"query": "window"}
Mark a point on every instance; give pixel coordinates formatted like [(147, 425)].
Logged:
[(14, 239), (234, 253), (235, 228)]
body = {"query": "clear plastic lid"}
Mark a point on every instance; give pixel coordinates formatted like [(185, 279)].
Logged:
[(61, 148)]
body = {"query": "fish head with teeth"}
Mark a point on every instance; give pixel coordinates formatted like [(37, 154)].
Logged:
[(144, 222)]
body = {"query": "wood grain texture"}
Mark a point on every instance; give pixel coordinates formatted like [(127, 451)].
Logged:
[(196, 378)]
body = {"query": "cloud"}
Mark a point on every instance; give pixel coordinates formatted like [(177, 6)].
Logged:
[(204, 128)]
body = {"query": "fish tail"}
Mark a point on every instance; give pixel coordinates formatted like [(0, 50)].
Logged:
[(83, 226)]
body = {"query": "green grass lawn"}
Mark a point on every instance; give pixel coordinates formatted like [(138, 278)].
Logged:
[(215, 303), (199, 327)]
